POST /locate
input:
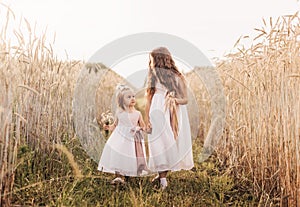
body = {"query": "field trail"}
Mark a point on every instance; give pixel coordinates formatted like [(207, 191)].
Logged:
[(255, 161)]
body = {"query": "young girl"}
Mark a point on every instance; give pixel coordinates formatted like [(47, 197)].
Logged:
[(170, 144), (124, 152)]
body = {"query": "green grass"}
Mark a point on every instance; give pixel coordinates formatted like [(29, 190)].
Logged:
[(46, 179)]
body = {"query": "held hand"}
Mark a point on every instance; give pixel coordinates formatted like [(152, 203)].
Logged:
[(109, 127), (148, 128), (105, 127), (149, 125)]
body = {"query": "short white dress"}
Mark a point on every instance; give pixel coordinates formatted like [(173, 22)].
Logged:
[(124, 152), (165, 152)]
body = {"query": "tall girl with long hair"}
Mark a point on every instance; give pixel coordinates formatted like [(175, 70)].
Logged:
[(170, 143)]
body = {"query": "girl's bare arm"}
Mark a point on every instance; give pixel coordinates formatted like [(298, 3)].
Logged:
[(184, 99), (147, 109), (141, 122)]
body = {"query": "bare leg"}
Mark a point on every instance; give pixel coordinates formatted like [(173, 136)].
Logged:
[(163, 174), (163, 179), (117, 174)]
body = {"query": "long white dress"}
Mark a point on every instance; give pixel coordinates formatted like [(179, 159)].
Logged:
[(166, 152), (120, 151)]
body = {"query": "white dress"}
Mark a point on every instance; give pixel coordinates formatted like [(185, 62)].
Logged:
[(119, 153), (166, 152)]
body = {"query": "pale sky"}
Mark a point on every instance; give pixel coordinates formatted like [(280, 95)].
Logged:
[(84, 26)]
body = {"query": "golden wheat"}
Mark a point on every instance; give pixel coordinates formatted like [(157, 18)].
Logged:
[(74, 165), (262, 132), (260, 144)]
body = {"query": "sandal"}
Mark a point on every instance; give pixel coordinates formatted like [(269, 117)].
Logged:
[(163, 187), (117, 180)]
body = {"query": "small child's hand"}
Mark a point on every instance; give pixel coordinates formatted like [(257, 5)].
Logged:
[(110, 127), (105, 126)]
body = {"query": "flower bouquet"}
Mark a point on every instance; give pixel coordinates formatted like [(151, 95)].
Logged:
[(106, 118)]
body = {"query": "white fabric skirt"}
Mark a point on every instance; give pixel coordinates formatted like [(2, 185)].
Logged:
[(119, 154), (165, 152)]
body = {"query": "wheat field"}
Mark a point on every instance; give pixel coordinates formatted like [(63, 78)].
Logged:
[(256, 162)]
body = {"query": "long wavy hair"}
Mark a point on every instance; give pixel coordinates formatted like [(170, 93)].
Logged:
[(164, 71)]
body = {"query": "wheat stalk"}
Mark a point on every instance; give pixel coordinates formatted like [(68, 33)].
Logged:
[(74, 165)]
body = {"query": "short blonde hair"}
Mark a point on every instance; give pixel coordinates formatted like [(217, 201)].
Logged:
[(121, 89)]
